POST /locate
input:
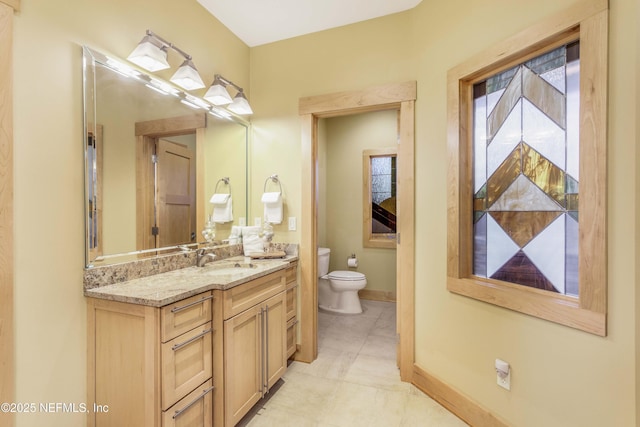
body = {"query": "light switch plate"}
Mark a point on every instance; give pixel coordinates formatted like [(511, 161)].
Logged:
[(242, 221), (257, 221), (292, 223)]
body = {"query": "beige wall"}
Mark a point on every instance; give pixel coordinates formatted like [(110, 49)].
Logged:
[(226, 156), (561, 377), (346, 138), (50, 319)]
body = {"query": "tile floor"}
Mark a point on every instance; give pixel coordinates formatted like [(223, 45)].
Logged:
[(353, 382)]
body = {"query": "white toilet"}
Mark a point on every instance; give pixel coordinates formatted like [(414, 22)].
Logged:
[(338, 290)]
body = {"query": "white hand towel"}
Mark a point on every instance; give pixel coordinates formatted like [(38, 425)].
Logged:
[(272, 207), (251, 241), (219, 198), (222, 208), (234, 237)]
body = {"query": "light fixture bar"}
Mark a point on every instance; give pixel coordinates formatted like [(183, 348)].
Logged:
[(228, 82), (169, 44), (151, 54)]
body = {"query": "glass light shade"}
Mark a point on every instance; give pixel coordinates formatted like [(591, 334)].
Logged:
[(218, 94), (240, 105), (187, 76), (149, 56)]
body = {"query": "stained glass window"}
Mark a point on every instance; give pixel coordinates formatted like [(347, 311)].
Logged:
[(383, 194), (525, 173)]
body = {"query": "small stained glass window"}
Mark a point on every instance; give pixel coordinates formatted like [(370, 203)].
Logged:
[(379, 198), (526, 175)]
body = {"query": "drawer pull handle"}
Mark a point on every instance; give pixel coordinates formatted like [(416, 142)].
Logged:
[(193, 402), (177, 309), (190, 340)]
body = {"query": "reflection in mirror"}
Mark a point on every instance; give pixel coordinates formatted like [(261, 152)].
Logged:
[(379, 207), (152, 160)]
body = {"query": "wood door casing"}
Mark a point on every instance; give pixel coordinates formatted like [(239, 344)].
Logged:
[(402, 97), (7, 334), (147, 133)]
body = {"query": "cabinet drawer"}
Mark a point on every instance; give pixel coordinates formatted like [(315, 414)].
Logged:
[(245, 296), (186, 363), (292, 300), (292, 273), (291, 336), (195, 409), (185, 315)]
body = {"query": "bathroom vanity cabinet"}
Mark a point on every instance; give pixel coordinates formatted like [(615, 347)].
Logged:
[(150, 366), (203, 361)]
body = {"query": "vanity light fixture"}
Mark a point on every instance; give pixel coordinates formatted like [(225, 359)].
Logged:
[(187, 76), (151, 54), (240, 104), (219, 95)]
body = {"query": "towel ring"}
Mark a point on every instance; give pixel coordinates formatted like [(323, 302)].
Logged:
[(275, 179), (226, 181)]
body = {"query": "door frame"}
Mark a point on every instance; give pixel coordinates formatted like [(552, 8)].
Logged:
[(399, 97), (146, 134), (7, 277)]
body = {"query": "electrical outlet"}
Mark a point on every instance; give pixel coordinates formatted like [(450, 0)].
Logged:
[(503, 374), (242, 222), (257, 221), (292, 223)]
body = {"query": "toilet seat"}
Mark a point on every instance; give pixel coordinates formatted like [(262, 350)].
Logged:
[(348, 276)]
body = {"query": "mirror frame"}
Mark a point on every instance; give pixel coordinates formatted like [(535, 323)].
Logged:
[(90, 58)]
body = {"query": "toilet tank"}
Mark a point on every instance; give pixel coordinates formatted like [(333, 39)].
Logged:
[(323, 261)]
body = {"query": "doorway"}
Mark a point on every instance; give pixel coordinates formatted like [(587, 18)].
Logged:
[(400, 97), (178, 187)]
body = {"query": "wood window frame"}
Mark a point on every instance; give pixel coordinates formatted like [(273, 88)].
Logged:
[(369, 238), (588, 22)]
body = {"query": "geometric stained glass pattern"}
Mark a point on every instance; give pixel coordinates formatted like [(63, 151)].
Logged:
[(527, 195)]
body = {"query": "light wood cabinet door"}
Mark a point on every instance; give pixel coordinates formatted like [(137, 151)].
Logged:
[(275, 317), (243, 347), (255, 354)]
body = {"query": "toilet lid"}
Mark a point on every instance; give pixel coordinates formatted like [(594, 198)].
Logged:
[(346, 275)]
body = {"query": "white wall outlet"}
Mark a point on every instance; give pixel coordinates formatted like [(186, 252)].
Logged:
[(292, 223), (503, 374), (257, 221), (242, 222)]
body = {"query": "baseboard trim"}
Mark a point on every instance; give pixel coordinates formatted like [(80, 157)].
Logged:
[(460, 405), (375, 295)]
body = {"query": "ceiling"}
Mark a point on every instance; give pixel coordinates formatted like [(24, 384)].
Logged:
[(258, 22)]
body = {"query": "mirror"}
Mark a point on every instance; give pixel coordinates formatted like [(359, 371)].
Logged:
[(153, 159)]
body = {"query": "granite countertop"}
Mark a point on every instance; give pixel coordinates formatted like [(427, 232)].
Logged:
[(166, 288)]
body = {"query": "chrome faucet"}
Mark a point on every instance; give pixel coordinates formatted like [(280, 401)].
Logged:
[(202, 258)]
